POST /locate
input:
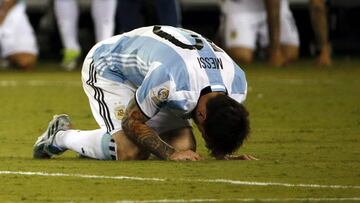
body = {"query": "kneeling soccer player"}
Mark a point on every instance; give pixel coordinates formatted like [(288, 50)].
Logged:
[(17, 38), (143, 87)]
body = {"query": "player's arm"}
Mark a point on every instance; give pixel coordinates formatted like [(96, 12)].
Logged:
[(136, 129), (320, 27), (5, 7)]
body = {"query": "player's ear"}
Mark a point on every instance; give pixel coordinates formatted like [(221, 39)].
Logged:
[(201, 116)]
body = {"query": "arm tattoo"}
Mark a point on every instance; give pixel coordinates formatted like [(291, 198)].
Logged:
[(135, 128)]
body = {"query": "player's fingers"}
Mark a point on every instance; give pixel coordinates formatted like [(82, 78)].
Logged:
[(245, 157), (193, 157), (198, 157), (190, 159), (252, 157)]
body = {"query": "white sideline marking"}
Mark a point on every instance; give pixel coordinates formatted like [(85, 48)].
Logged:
[(244, 200), (80, 176), (37, 83), (225, 181), (239, 182)]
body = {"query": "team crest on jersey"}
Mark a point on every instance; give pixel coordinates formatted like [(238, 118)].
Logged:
[(161, 95), (119, 112)]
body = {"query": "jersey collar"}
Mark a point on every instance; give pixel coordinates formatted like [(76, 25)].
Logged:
[(213, 88)]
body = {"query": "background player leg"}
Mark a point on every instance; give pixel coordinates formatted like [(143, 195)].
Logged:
[(241, 55), (168, 12), (67, 15), (128, 15), (290, 52), (25, 61), (103, 14)]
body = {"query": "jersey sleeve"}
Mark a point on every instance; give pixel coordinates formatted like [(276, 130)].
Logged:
[(153, 94)]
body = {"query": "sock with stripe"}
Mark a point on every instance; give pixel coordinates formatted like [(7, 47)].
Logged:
[(90, 143), (67, 14), (103, 14)]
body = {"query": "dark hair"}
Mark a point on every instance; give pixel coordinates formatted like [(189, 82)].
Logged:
[(226, 125)]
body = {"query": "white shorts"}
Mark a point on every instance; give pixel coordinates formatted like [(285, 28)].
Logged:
[(108, 101), (16, 33), (244, 29)]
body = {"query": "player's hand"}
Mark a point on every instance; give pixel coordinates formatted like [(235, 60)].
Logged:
[(187, 155), (245, 157)]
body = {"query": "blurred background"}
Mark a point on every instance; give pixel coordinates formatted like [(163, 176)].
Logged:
[(202, 16)]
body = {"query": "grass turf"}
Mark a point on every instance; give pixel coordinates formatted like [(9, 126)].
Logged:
[(305, 125)]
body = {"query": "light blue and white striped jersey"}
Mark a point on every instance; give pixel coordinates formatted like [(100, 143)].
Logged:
[(169, 67)]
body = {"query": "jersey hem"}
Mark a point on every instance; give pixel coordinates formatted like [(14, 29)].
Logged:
[(137, 103)]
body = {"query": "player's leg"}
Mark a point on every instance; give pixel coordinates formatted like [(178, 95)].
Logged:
[(59, 137), (92, 143), (129, 15), (168, 12), (26, 61), (67, 14), (18, 41), (174, 130), (103, 14), (289, 40), (241, 55), (181, 139), (320, 26), (240, 36), (290, 52), (108, 101), (289, 36), (127, 149)]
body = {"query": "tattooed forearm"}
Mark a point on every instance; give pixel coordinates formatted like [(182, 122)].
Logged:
[(135, 128)]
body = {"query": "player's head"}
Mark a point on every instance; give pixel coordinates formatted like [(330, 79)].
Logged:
[(226, 125)]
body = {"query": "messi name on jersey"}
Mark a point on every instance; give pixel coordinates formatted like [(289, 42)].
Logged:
[(210, 62)]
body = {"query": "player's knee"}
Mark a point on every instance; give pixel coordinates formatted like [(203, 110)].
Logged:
[(24, 62), (241, 56), (181, 139), (133, 155), (317, 2), (184, 144), (127, 149), (292, 55)]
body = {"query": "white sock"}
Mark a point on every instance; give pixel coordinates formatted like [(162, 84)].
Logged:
[(88, 143), (67, 14), (103, 14)]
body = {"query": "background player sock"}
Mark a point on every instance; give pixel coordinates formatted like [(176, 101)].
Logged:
[(103, 14), (67, 15)]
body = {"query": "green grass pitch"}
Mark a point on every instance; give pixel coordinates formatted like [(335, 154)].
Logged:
[(305, 129)]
